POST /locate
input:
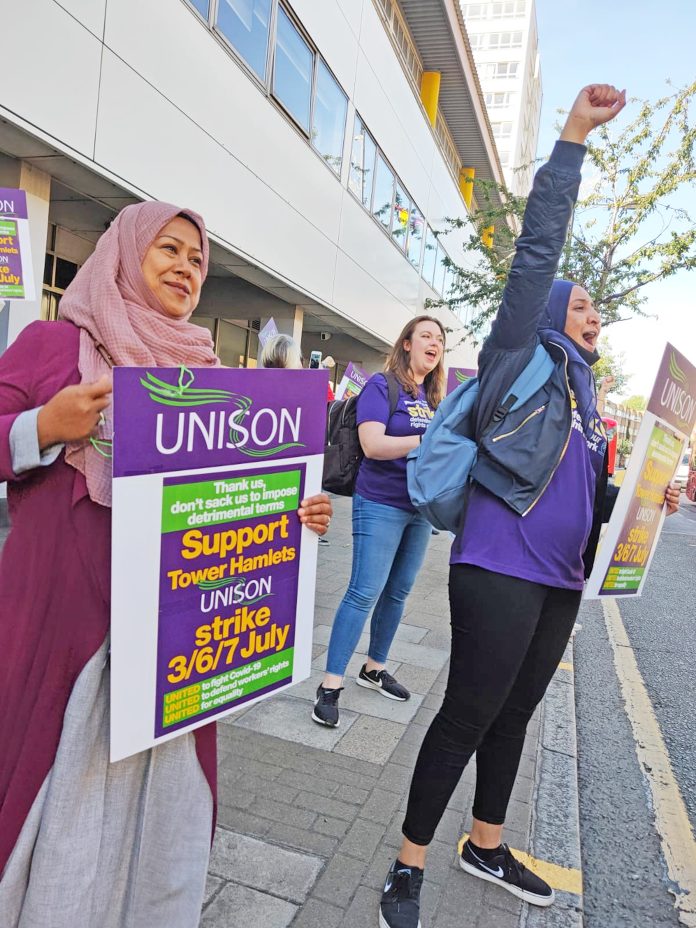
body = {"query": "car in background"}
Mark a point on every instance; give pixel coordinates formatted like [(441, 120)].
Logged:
[(682, 475)]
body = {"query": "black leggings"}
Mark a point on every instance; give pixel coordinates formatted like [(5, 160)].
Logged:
[(508, 636)]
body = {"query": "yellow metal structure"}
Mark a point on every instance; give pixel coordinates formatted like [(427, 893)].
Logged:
[(487, 236), (466, 184), (430, 93)]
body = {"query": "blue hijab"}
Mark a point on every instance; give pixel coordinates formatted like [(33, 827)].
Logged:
[(552, 329)]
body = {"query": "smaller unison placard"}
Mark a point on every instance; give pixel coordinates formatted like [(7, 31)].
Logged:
[(16, 271), (213, 575), (352, 382), (628, 546)]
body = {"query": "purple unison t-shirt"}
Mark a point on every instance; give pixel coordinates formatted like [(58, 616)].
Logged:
[(545, 546), (385, 481)]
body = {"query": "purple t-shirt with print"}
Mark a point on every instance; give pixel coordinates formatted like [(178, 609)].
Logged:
[(385, 481), (546, 545)]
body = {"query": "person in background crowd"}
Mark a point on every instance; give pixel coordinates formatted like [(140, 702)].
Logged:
[(517, 570), (389, 536), (84, 842), (281, 351)]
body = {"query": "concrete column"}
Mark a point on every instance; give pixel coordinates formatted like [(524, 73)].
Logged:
[(37, 184), (297, 324)]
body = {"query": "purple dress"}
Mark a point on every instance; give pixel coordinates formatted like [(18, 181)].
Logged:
[(54, 627)]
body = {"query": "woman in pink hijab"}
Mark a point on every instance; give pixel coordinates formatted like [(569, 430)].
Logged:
[(82, 841)]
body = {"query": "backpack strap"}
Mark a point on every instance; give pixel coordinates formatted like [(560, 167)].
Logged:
[(531, 379), (393, 389)]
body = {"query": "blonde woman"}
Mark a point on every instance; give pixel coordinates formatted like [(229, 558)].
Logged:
[(389, 537)]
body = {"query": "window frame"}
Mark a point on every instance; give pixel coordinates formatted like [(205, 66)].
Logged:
[(307, 133), (192, 6), (262, 82), (318, 60), (366, 206)]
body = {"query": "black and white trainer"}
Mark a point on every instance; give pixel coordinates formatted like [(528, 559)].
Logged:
[(325, 710), (383, 682), (400, 905), (506, 871)]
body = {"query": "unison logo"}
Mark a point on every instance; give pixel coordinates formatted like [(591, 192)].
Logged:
[(256, 433), (676, 393)]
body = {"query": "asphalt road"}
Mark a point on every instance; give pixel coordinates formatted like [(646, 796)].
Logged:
[(625, 876)]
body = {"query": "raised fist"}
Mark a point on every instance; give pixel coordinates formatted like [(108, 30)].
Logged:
[(595, 105)]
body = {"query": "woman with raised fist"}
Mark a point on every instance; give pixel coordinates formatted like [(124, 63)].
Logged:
[(533, 515)]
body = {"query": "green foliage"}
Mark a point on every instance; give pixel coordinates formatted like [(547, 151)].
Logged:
[(613, 363), (624, 448), (636, 403), (630, 228)]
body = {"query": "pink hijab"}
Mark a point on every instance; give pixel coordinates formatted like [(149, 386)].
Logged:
[(115, 309)]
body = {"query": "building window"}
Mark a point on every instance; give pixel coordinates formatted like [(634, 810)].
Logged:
[(245, 25), (58, 274), (474, 10), (509, 8), (450, 284), (504, 40), (203, 7), (501, 130), (504, 158), (503, 69), (476, 41), (400, 216), (362, 163), (498, 100), (440, 270), (429, 256), (329, 118), (292, 71), (415, 236), (384, 193)]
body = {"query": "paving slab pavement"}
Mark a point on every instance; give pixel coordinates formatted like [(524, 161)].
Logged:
[(310, 818)]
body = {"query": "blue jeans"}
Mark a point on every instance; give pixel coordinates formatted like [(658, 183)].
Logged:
[(389, 545)]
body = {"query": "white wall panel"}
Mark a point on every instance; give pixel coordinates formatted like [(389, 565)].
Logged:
[(363, 298), (353, 12), (158, 148), (51, 68), (216, 93), (364, 241), (89, 12)]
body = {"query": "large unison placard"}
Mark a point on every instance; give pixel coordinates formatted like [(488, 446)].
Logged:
[(629, 544), (213, 574)]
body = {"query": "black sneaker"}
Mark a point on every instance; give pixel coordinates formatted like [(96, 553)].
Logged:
[(325, 710), (400, 905), (384, 682), (505, 870)]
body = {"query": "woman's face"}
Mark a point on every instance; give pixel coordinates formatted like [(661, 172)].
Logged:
[(583, 324), (172, 267), (426, 346)]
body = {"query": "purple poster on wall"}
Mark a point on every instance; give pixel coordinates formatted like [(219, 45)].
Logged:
[(213, 574), (16, 274)]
